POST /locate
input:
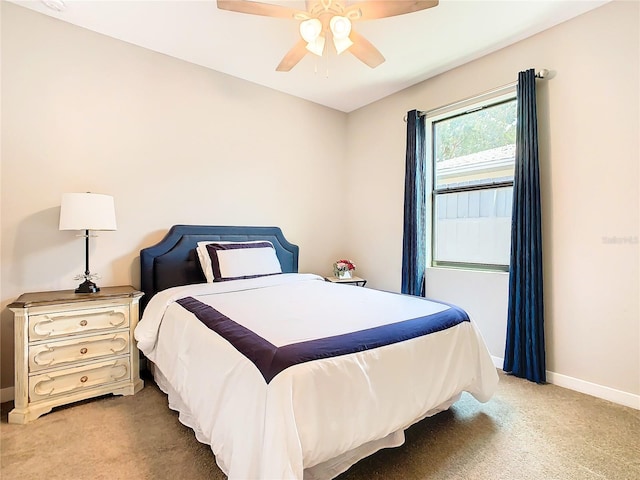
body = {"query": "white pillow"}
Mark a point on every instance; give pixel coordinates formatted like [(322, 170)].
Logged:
[(205, 259), (222, 260)]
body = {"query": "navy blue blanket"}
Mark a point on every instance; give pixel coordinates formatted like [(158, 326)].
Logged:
[(271, 360)]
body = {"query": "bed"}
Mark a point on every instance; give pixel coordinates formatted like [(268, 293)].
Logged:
[(287, 376)]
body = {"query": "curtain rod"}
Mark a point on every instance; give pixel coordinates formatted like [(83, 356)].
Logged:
[(542, 74)]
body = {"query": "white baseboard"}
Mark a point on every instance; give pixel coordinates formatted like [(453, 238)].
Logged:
[(606, 393), (600, 391), (6, 394), (497, 362)]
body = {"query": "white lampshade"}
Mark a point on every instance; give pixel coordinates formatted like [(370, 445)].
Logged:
[(341, 29), (342, 44), (310, 29), (87, 211), (317, 46), (340, 26)]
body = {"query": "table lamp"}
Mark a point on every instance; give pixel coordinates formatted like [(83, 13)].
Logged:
[(88, 212)]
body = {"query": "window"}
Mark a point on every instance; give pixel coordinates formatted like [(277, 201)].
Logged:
[(472, 154)]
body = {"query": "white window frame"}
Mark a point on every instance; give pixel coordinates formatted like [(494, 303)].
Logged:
[(489, 99)]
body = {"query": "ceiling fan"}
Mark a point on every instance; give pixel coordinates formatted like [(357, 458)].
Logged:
[(330, 19)]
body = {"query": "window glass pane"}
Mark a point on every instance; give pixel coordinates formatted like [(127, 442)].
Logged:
[(476, 227), (475, 148)]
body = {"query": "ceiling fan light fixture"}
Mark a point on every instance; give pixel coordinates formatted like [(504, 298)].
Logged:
[(341, 44), (327, 17), (317, 46), (340, 26), (310, 30)]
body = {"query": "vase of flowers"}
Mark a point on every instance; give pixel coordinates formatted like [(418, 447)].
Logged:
[(343, 269)]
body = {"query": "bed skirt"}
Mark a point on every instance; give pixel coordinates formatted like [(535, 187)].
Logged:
[(323, 471)]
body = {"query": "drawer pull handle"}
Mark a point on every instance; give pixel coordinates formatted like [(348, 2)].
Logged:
[(83, 323), (84, 378), (83, 351)]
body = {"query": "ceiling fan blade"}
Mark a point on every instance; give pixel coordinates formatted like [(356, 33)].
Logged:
[(382, 9), (258, 8), (293, 56), (364, 50)]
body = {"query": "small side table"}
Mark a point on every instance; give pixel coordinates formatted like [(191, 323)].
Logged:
[(73, 346), (360, 282)]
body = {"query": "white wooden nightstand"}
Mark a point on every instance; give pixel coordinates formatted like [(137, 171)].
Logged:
[(71, 346), (361, 282)]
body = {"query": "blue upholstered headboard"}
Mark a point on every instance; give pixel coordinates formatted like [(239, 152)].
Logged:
[(173, 261)]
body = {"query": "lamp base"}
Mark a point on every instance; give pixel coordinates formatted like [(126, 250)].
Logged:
[(87, 287)]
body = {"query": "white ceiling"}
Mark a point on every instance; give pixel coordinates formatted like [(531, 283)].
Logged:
[(417, 46)]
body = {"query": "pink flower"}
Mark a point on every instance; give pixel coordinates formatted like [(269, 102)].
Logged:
[(344, 265)]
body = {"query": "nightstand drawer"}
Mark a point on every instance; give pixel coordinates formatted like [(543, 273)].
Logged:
[(52, 325), (65, 382), (61, 352)]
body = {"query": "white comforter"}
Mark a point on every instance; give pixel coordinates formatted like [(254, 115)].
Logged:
[(314, 419)]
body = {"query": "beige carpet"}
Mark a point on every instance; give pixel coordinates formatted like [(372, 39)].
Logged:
[(526, 431)]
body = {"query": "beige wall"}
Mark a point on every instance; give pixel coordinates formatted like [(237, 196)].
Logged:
[(171, 141), (176, 143), (589, 152)]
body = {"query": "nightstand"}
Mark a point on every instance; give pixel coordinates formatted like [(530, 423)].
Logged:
[(71, 346), (361, 282)]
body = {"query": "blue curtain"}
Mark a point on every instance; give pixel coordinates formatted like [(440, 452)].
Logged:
[(524, 352), (414, 254)]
